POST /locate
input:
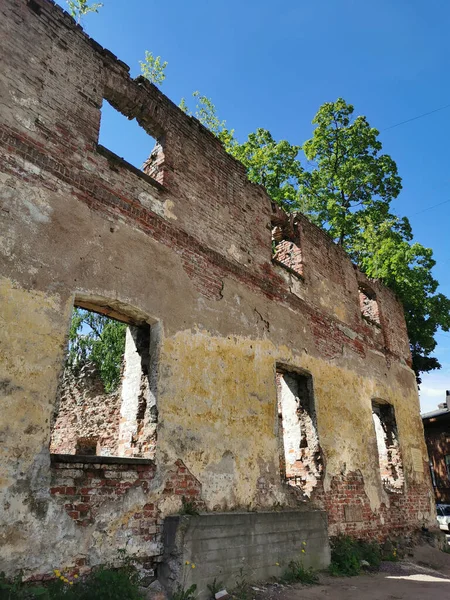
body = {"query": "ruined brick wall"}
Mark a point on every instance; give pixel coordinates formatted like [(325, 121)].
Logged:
[(437, 436), (87, 487), (85, 411), (349, 509), (188, 253)]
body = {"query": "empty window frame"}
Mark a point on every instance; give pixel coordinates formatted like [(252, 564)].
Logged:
[(369, 305), (300, 456), (389, 456), (106, 402), (125, 139), (286, 250)]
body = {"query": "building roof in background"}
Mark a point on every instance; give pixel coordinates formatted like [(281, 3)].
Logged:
[(436, 413)]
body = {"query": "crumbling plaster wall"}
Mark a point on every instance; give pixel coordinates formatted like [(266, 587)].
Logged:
[(194, 256)]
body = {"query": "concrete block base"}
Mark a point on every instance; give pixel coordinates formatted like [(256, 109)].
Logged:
[(235, 546)]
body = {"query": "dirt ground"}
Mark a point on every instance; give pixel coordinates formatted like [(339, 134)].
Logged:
[(423, 576)]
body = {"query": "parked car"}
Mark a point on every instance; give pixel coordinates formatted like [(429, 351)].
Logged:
[(443, 516)]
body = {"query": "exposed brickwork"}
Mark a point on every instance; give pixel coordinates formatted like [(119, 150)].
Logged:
[(87, 490), (85, 411), (346, 492), (369, 307), (182, 483), (389, 455), (84, 487), (289, 255), (301, 461)]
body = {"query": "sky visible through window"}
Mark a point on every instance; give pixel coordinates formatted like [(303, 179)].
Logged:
[(124, 137)]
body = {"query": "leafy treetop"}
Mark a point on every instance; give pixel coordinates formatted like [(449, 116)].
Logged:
[(80, 8), (153, 68), (351, 182), (98, 339)]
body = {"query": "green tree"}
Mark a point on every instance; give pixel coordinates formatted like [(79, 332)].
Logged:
[(350, 181), (153, 69), (386, 251), (98, 339), (206, 112), (348, 191), (80, 8), (273, 164)]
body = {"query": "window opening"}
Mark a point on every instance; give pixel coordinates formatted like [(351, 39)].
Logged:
[(286, 250), (433, 474), (106, 405), (369, 305), (300, 455), (389, 457), (129, 141)]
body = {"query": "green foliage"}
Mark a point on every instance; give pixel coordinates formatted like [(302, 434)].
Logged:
[(348, 192), (152, 68), (214, 587), (385, 250), (296, 572), (80, 8), (188, 507), (347, 554), (98, 339), (370, 552), (275, 165), (350, 180), (242, 588), (107, 584), (104, 583), (182, 593), (344, 557), (16, 590), (206, 113)]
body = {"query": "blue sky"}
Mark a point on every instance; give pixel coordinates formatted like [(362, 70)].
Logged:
[(272, 65)]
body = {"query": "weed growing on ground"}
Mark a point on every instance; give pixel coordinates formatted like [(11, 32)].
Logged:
[(214, 587), (102, 583), (15, 589), (347, 554), (392, 556), (296, 572), (182, 593), (242, 589)]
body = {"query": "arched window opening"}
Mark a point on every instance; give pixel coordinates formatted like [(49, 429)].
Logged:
[(106, 402)]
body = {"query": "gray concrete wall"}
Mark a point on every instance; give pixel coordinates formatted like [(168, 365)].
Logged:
[(221, 544)]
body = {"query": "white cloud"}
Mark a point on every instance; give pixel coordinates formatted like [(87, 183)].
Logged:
[(432, 392), (433, 387)]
